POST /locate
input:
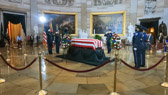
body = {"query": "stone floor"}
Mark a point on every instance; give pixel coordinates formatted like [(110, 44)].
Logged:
[(98, 82)]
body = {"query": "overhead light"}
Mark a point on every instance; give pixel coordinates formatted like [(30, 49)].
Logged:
[(42, 19)]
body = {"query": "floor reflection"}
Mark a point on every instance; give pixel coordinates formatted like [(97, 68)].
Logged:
[(98, 82)]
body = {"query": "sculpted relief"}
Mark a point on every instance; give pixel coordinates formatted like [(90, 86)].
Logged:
[(150, 6), (15, 1), (107, 2), (60, 2)]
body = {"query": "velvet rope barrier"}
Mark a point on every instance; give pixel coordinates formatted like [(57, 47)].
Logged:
[(146, 68), (83, 71), (154, 47), (17, 69)]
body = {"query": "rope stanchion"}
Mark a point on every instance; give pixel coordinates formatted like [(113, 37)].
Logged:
[(115, 76), (165, 84), (82, 71), (25, 48), (2, 80), (7, 51), (41, 92), (146, 68), (13, 47), (17, 69)]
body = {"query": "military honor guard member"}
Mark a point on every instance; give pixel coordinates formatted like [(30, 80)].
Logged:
[(139, 46), (108, 40), (49, 32), (49, 41), (57, 41), (144, 42)]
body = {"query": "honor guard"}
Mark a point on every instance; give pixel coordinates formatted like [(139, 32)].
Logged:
[(139, 46), (144, 44), (108, 40), (49, 41), (57, 41)]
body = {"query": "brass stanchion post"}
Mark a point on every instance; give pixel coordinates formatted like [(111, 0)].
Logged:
[(25, 48), (1, 79), (41, 92), (115, 75), (25, 55), (7, 51), (165, 84)]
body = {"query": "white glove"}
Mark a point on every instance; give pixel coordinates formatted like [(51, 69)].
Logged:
[(135, 48)]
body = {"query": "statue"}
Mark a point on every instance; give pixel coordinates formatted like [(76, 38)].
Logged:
[(131, 30), (83, 35), (163, 28), (35, 31)]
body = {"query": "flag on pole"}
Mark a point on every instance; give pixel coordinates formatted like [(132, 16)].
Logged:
[(45, 39)]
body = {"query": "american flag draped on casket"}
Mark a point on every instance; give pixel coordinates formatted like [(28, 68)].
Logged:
[(87, 43)]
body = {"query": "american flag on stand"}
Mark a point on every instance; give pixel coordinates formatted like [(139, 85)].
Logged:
[(45, 39)]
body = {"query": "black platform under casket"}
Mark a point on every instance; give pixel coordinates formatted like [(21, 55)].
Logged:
[(86, 55)]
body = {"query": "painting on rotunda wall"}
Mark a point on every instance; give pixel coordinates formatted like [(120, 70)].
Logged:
[(150, 7), (102, 22), (59, 21)]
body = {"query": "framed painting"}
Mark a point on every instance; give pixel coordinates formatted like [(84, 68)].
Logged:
[(100, 23), (61, 21)]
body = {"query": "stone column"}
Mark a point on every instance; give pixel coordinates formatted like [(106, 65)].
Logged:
[(165, 19), (84, 15), (34, 15), (0, 23), (133, 12)]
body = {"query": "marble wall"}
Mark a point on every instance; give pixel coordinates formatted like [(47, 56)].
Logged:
[(135, 10)]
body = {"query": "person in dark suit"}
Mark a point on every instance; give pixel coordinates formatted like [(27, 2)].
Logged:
[(108, 40), (160, 38), (31, 40), (149, 40)]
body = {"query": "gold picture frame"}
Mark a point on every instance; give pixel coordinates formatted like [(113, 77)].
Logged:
[(64, 13), (99, 20)]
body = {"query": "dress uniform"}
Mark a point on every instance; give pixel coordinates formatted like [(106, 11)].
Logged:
[(108, 39), (136, 50), (139, 46), (57, 41), (49, 41), (144, 44)]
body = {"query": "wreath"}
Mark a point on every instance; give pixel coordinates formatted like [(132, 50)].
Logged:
[(116, 41), (66, 41)]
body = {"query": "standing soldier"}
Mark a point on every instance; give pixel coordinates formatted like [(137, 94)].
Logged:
[(108, 40), (49, 41), (136, 47), (49, 37), (139, 46), (144, 46), (57, 41)]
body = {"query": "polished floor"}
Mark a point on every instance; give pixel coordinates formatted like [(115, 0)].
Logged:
[(98, 82)]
